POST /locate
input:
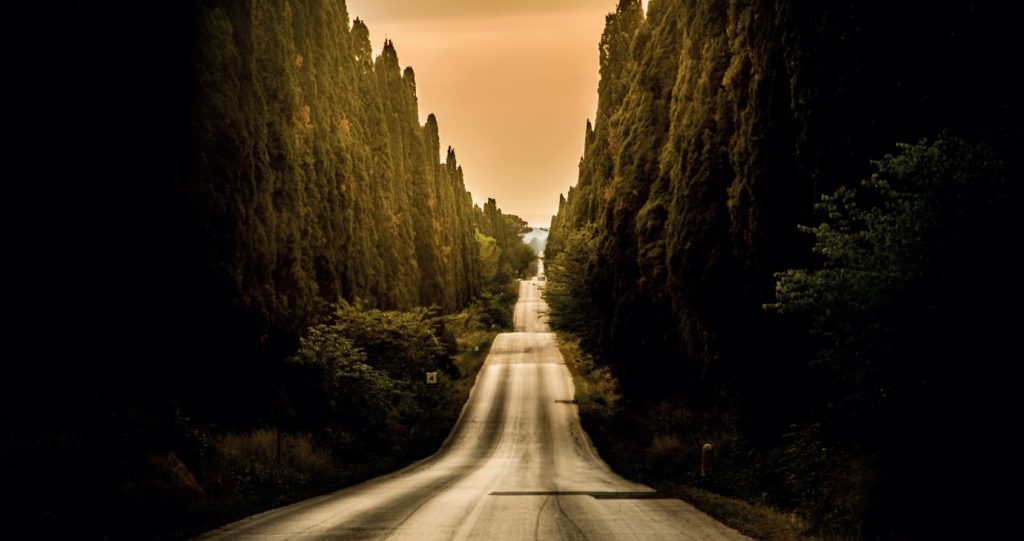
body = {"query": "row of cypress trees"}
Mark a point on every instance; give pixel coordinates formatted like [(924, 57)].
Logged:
[(309, 180), (227, 172), (719, 124)]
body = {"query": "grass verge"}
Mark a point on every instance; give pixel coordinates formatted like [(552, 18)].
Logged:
[(753, 519)]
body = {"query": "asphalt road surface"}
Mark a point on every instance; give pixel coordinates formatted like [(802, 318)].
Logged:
[(517, 465)]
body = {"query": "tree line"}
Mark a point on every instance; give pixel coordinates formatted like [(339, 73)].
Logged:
[(721, 256), (257, 236), (295, 174)]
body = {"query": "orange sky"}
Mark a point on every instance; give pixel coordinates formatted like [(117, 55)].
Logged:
[(512, 83)]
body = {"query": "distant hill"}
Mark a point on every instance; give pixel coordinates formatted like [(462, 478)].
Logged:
[(537, 238)]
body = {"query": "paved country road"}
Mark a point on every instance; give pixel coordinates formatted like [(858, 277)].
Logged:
[(517, 465)]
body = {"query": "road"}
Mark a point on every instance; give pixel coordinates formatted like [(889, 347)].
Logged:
[(517, 465)]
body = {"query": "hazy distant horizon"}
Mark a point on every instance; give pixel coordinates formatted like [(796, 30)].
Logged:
[(535, 220)]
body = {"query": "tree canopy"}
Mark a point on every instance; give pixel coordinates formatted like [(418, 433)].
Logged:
[(718, 127)]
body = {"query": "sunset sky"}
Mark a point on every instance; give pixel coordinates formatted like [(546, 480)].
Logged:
[(512, 84)]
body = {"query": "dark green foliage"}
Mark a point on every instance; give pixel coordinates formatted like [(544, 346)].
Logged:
[(306, 179), (230, 171), (506, 231), (404, 344), (911, 287), (504, 257), (341, 381), (316, 157), (718, 126), (360, 382), (301, 177), (568, 293), (894, 253), (496, 305)]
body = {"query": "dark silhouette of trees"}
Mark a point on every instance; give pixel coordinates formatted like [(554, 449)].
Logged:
[(718, 127), (228, 174)]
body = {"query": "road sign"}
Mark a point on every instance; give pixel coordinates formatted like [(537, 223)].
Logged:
[(432, 378)]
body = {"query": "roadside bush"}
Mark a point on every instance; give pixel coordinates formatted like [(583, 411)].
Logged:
[(359, 383)]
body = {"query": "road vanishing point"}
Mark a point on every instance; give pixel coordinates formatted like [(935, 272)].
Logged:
[(517, 465)]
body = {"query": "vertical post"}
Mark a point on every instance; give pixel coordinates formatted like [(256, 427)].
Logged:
[(277, 455), (707, 459)]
